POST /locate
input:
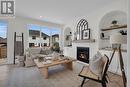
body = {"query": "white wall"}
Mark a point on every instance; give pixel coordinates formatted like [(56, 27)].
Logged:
[(94, 18), (19, 24)]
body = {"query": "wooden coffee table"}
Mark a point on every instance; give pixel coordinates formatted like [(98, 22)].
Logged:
[(44, 67)]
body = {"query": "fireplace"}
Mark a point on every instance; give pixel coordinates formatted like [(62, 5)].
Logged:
[(83, 54)]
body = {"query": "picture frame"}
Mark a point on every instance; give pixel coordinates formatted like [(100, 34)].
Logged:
[(86, 34)]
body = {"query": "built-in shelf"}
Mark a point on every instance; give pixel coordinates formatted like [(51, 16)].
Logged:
[(84, 41), (114, 27), (110, 49)]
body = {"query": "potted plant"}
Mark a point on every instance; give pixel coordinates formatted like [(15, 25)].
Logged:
[(55, 47), (114, 23), (123, 32)]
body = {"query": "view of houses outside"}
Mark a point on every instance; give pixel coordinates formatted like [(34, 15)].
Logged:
[(40, 36), (35, 39), (3, 40)]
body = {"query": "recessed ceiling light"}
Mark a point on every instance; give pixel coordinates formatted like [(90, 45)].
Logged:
[(40, 16)]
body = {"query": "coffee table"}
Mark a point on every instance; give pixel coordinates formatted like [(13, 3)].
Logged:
[(68, 63)]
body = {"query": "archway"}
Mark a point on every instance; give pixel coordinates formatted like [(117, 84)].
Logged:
[(67, 36)]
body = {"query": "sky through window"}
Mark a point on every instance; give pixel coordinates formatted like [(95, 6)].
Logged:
[(3, 29)]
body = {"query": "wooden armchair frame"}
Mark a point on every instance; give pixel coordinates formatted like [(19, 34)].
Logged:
[(101, 79)]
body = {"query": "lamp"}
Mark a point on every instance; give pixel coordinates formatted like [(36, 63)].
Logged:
[(117, 40)]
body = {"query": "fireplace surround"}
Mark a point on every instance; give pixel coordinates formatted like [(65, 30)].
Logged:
[(83, 54)]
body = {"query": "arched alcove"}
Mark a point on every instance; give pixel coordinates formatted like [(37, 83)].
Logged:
[(106, 20), (67, 37), (108, 28)]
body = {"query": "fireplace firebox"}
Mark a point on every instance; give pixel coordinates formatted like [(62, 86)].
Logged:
[(83, 54)]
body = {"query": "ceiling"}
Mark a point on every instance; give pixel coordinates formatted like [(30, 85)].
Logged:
[(58, 11)]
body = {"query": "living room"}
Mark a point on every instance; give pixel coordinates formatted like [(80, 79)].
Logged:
[(73, 19)]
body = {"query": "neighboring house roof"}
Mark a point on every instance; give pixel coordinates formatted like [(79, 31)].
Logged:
[(34, 33), (43, 34), (37, 33), (3, 40), (55, 35)]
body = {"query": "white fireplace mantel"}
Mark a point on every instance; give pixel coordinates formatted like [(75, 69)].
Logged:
[(72, 51)]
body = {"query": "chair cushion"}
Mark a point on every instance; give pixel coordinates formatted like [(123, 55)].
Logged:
[(86, 72), (96, 64)]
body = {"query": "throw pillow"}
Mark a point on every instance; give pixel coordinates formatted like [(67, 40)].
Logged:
[(55, 56), (96, 64)]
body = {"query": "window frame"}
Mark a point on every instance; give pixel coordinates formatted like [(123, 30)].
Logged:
[(34, 37)]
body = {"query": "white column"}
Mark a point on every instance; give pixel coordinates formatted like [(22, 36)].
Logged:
[(40, 37), (61, 39), (50, 38), (128, 46)]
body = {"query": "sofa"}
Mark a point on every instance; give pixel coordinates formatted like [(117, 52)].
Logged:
[(32, 53)]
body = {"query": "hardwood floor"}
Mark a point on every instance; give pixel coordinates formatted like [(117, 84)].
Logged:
[(3, 61), (14, 76)]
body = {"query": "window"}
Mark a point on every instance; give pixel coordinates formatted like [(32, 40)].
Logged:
[(45, 44), (52, 34), (44, 38), (33, 37), (39, 44), (31, 44), (3, 41)]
